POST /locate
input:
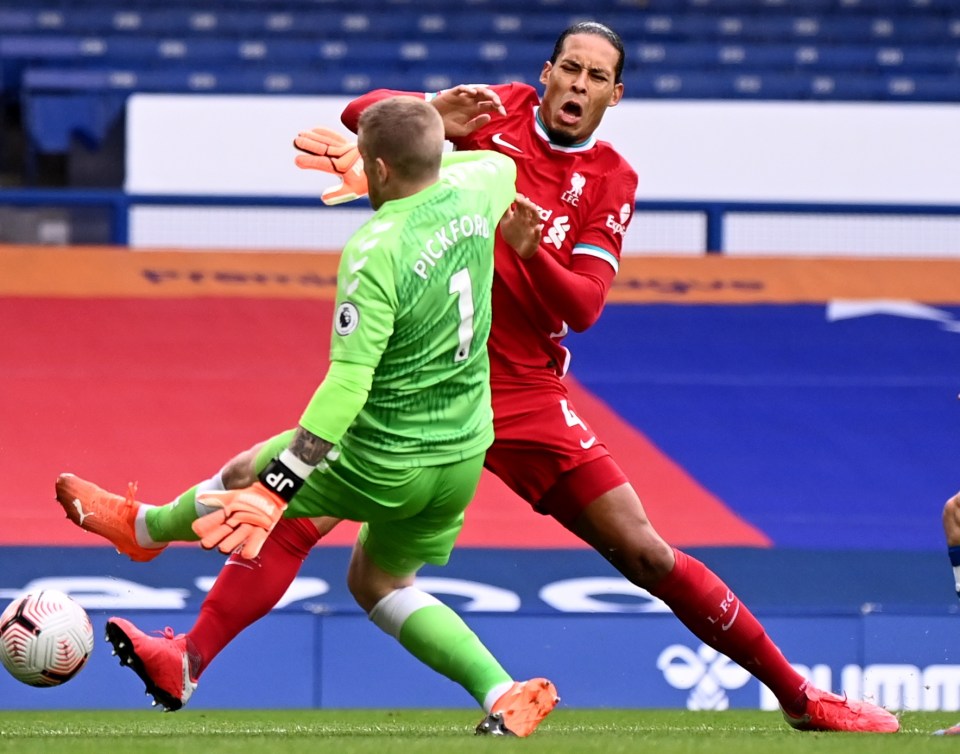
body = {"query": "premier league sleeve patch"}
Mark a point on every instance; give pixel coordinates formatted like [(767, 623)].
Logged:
[(347, 318)]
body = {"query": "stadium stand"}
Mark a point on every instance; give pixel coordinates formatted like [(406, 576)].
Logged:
[(67, 65)]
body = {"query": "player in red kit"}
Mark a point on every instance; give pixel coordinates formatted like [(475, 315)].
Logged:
[(543, 449), (585, 194)]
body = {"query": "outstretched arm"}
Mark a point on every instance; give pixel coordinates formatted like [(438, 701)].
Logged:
[(464, 108), (247, 516)]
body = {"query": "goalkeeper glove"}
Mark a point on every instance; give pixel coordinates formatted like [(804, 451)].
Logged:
[(330, 152), (244, 519)]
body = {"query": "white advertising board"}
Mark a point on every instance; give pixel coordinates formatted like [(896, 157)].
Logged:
[(900, 153)]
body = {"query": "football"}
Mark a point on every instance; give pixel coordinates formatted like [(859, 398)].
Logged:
[(45, 638)]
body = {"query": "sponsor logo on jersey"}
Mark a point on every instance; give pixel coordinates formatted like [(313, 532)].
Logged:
[(501, 142), (620, 226), (558, 231), (572, 195), (545, 214), (346, 319)]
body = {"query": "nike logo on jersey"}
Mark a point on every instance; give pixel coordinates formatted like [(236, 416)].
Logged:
[(500, 141), (79, 506), (587, 444)]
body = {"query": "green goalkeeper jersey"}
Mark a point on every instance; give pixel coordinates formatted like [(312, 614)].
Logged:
[(413, 303)]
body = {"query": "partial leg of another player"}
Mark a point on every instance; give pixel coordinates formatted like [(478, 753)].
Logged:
[(951, 530)]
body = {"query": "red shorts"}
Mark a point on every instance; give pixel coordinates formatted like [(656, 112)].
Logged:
[(546, 453)]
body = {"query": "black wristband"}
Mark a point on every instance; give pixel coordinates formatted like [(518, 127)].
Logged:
[(280, 480)]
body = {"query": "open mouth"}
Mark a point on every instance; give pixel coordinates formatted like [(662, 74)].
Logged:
[(571, 112)]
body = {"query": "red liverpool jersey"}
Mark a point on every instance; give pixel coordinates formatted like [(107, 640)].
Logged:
[(585, 194)]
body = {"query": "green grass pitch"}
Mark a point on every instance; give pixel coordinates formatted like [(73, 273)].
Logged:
[(442, 732)]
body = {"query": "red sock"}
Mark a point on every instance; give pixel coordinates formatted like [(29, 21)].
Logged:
[(708, 607), (246, 590)]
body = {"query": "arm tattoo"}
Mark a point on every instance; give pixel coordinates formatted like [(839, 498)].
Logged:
[(308, 447)]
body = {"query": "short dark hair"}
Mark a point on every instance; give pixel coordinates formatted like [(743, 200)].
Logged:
[(600, 30), (406, 132)]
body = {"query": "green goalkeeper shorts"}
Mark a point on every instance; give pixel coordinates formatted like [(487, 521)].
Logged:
[(410, 516)]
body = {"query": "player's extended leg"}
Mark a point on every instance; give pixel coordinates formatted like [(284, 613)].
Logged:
[(438, 637), (414, 517), (616, 525), (138, 530), (170, 665), (142, 531), (246, 590), (106, 514)]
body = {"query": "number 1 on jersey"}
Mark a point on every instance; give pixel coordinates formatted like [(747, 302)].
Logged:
[(460, 287)]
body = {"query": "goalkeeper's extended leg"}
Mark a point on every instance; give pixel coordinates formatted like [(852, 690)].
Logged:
[(116, 518), (173, 522), (139, 530)]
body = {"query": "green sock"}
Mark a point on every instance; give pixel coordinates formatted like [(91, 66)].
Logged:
[(171, 522), (439, 638)]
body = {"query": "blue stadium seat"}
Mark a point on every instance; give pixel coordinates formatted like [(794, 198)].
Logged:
[(714, 85), (927, 30), (919, 58), (81, 52), (923, 88), (663, 26), (13, 20), (676, 55), (849, 87), (514, 24), (839, 58), (897, 6), (783, 28)]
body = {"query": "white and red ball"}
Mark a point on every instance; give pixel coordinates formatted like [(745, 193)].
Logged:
[(45, 638)]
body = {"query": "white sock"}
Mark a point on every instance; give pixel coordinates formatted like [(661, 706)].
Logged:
[(140, 532), (391, 612), (495, 693)]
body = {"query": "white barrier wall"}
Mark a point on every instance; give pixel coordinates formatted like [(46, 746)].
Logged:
[(899, 153), (861, 153), (769, 152), (230, 145)]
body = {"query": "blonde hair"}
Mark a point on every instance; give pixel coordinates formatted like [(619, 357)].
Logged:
[(406, 133)]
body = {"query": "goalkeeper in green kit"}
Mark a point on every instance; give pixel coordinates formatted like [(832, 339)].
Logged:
[(396, 434)]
